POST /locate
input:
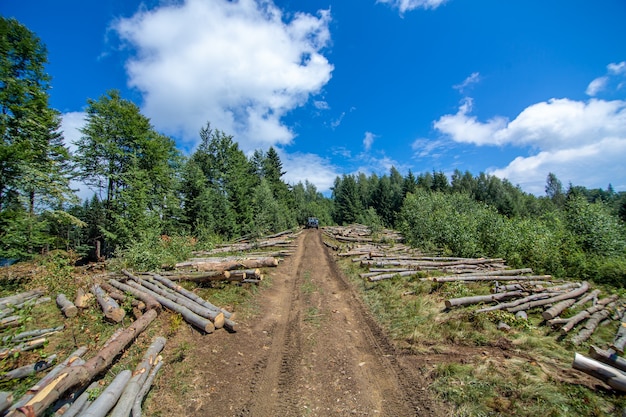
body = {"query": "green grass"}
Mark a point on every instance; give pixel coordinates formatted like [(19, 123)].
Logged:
[(508, 383)]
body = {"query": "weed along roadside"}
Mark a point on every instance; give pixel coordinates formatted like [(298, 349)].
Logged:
[(322, 322)]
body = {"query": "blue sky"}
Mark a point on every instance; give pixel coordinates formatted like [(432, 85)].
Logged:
[(516, 89)]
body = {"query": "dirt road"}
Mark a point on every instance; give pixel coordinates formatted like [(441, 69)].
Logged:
[(312, 350)]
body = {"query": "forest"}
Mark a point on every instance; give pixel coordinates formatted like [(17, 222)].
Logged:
[(152, 204)]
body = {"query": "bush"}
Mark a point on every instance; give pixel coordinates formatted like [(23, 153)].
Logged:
[(153, 252)]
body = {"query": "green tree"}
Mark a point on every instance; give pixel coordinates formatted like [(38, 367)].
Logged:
[(34, 169)]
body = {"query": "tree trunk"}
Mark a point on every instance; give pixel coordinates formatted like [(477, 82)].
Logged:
[(112, 311), (107, 399), (67, 307), (150, 302), (481, 298), (125, 403), (571, 294), (608, 357), (190, 317), (80, 375), (146, 387), (611, 376), (31, 369), (557, 309)]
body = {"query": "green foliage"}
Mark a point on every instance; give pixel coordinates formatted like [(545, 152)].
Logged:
[(151, 252)]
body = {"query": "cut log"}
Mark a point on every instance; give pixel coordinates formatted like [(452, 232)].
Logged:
[(83, 402), (23, 347), (557, 309), (68, 308), (20, 298), (610, 358), (82, 299), (146, 387), (611, 376), (590, 326), (521, 315), (592, 295), (230, 265), (453, 278), (201, 276), (620, 337), (80, 375), (117, 295), (481, 298), (31, 369), (107, 399), (150, 302), (189, 316), (574, 320), (127, 399), (6, 398), (571, 294), (515, 302), (11, 321), (112, 311), (73, 359), (31, 334), (380, 277), (229, 324)]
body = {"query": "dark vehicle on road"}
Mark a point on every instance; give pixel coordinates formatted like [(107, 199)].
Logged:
[(312, 223)]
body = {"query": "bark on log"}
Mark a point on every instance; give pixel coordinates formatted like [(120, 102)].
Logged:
[(593, 294), (608, 357), (481, 298), (238, 264), (189, 316), (229, 324), (574, 320), (216, 317), (80, 375), (571, 294), (107, 399), (515, 302), (452, 278), (31, 334), (6, 398), (82, 298), (73, 359), (83, 401), (150, 302), (23, 347), (125, 403), (201, 276), (31, 369), (117, 295), (611, 376), (557, 309), (391, 275), (68, 308), (112, 311), (146, 387), (11, 321), (620, 337), (590, 326), (20, 298)]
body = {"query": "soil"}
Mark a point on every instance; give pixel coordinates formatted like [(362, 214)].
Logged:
[(310, 349)]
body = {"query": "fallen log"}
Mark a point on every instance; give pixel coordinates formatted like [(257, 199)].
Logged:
[(82, 402), (6, 398), (481, 298), (570, 323), (68, 308), (611, 376), (228, 316), (189, 316), (80, 375), (238, 264), (557, 309), (20, 298), (31, 369), (571, 294), (125, 403), (22, 347), (117, 295), (453, 278), (391, 275), (82, 299), (515, 302), (74, 359), (112, 311), (590, 326), (31, 334), (150, 302), (107, 399), (592, 295), (620, 337), (216, 317), (200, 276), (11, 321), (608, 357), (146, 387)]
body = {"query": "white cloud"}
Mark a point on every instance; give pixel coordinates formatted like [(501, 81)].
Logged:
[(581, 142), (368, 140), (70, 124), (467, 129), (407, 5), (239, 65), (615, 73), (596, 86), (469, 81), (301, 167), (423, 147)]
